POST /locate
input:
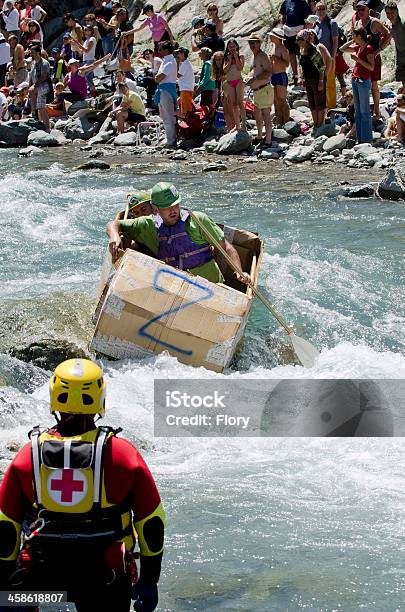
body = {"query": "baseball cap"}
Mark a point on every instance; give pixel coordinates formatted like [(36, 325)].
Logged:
[(23, 85), (138, 197), (196, 20), (165, 195), (210, 25), (362, 3), (73, 61)]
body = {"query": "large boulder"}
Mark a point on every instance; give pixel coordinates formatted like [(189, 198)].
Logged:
[(40, 138), (234, 142), (299, 153), (81, 128), (392, 186), (15, 133), (76, 106)]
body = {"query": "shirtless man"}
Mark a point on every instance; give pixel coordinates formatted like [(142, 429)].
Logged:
[(18, 59), (280, 59), (259, 80)]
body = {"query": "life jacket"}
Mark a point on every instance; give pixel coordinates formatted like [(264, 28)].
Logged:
[(176, 247), (70, 495)]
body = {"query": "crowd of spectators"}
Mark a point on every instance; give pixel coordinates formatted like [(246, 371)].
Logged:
[(307, 49)]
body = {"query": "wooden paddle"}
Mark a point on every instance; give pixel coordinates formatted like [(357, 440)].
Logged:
[(304, 350)]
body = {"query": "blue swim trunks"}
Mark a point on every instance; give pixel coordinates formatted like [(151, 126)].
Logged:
[(280, 78)]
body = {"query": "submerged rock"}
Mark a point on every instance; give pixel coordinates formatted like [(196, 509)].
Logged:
[(392, 186), (30, 151), (47, 354), (94, 164), (359, 191), (214, 167), (234, 142)]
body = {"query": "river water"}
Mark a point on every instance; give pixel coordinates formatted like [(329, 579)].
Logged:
[(257, 524)]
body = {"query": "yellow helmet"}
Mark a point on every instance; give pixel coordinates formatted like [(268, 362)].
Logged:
[(77, 387)]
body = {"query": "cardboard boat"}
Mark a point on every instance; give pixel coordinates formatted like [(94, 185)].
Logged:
[(146, 307)]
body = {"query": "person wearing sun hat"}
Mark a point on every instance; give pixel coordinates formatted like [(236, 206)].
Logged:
[(310, 21), (173, 236)]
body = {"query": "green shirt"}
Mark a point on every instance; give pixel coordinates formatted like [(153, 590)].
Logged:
[(143, 230), (206, 83)]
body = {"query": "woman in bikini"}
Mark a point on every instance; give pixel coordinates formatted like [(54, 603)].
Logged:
[(233, 66)]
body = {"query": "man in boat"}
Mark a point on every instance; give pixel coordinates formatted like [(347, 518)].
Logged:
[(79, 495), (174, 237), (139, 204)]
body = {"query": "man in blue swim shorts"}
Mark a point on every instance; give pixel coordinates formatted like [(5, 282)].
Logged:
[(280, 60)]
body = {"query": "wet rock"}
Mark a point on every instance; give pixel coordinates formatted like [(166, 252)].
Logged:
[(126, 139), (13, 447), (319, 142), (292, 128), (94, 165), (359, 191), (30, 151), (76, 106), (40, 138), (335, 142), (47, 354), (96, 154), (15, 133), (299, 154), (233, 143), (350, 143), (392, 186), (86, 148), (81, 128), (281, 135), (215, 167), (180, 155)]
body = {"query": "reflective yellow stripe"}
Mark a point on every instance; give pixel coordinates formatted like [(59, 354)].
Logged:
[(139, 525), (17, 526)]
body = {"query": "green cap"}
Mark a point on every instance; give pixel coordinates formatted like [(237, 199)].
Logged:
[(138, 197), (164, 195)]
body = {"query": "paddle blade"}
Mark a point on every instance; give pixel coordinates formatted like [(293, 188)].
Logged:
[(305, 351)]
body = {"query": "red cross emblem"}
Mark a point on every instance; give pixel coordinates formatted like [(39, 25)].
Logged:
[(67, 487)]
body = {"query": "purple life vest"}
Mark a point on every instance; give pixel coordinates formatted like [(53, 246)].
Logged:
[(178, 250)]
